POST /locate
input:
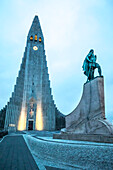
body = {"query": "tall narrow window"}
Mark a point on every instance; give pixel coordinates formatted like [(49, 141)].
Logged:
[(40, 39), (35, 37), (31, 38)]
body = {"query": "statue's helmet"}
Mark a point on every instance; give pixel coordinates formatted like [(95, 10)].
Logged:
[(92, 50)]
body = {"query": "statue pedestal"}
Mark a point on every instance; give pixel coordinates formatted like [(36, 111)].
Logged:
[(87, 121)]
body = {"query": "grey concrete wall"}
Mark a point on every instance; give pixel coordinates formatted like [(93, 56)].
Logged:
[(32, 83), (85, 137)]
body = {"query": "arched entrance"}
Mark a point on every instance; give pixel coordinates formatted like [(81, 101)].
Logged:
[(31, 110), (30, 124)]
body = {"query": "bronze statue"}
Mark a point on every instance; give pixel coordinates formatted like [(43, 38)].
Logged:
[(90, 65)]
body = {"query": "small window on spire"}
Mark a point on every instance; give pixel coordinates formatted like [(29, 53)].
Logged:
[(35, 37), (40, 39), (31, 38)]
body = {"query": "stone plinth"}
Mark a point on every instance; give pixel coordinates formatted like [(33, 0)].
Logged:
[(89, 115), (88, 118), (85, 137)]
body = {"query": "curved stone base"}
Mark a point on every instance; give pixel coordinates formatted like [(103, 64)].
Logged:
[(84, 137), (89, 116), (93, 126), (87, 121)]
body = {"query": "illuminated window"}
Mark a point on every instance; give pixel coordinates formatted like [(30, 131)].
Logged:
[(12, 125), (40, 39), (31, 38), (35, 37)]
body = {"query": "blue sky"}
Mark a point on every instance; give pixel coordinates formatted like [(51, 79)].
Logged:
[(71, 28)]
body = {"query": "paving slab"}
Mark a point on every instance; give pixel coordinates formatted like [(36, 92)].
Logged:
[(15, 155)]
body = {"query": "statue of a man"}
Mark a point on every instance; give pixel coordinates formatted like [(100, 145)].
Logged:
[(90, 65)]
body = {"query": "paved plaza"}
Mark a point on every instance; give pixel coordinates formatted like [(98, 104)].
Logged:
[(15, 155), (68, 154), (33, 150)]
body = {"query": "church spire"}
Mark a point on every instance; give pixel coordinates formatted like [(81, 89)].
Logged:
[(31, 106), (36, 19), (35, 32)]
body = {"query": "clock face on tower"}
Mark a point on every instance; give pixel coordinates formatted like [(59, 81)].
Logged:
[(35, 48)]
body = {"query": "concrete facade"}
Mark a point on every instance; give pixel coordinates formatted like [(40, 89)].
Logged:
[(31, 106)]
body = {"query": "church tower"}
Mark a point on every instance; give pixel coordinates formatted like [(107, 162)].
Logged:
[(31, 106)]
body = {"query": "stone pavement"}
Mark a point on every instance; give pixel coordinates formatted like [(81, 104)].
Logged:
[(15, 155), (52, 154), (40, 133), (67, 154)]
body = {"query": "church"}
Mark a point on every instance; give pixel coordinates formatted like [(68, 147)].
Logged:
[(31, 106)]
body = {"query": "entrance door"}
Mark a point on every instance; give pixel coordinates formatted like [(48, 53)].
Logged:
[(30, 127)]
